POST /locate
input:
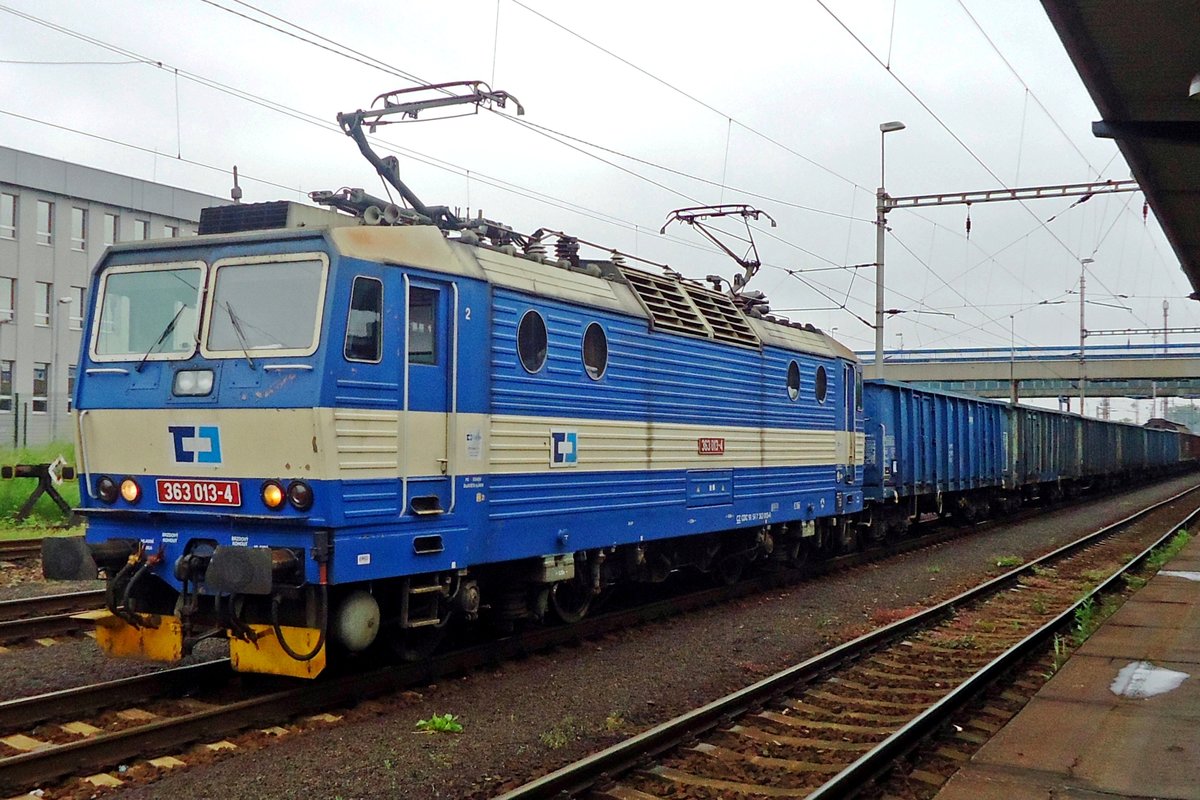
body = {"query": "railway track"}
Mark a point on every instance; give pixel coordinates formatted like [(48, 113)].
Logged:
[(46, 616), (832, 725), (90, 728), (20, 549)]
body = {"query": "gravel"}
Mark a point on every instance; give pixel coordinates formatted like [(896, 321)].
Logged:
[(535, 715)]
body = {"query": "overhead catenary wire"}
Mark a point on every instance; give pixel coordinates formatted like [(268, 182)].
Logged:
[(608, 219), (546, 131)]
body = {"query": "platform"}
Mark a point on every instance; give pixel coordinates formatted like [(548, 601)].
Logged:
[(1121, 719)]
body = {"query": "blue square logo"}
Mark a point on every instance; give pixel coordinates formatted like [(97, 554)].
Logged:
[(564, 448)]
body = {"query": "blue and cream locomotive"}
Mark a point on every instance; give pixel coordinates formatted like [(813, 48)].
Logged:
[(299, 431)]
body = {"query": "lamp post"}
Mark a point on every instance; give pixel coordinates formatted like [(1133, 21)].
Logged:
[(1083, 262), (881, 210)]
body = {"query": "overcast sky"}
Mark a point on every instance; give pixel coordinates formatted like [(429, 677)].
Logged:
[(667, 104)]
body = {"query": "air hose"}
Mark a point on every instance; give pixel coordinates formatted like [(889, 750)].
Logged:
[(323, 623)]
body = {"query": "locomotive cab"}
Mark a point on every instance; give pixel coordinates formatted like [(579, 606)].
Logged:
[(200, 449)]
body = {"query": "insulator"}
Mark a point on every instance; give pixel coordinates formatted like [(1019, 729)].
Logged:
[(566, 248), (617, 259), (535, 249)]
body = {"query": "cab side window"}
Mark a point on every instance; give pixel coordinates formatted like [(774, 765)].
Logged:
[(422, 326), (364, 328)]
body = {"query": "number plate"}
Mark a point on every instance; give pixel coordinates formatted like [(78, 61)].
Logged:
[(199, 493)]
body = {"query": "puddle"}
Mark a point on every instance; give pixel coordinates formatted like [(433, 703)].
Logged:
[(1174, 573), (1142, 679)]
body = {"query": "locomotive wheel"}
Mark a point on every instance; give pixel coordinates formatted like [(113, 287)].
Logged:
[(570, 601), (415, 644)]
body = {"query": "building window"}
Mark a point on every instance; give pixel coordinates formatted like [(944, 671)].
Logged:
[(41, 304), (45, 222), (70, 386), (112, 229), (78, 295), (79, 220), (8, 296), (141, 230), (170, 231), (41, 387), (8, 216), (6, 393)]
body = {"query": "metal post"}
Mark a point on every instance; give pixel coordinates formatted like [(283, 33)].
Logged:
[(880, 224), (881, 210), (1083, 262), (1012, 359), (1166, 350)]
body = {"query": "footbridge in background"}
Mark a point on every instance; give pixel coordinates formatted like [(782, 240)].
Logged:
[(1137, 371)]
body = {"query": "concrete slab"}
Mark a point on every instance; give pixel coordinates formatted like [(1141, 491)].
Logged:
[(137, 715), (1169, 589), (1142, 644), (26, 744), (1088, 679), (1157, 615)]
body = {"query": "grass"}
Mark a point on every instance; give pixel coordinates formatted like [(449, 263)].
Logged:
[(1167, 551), (933, 569), (1038, 604), (1008, 562), (440, 723), (562, 734), (14, 493), (1061, 653)]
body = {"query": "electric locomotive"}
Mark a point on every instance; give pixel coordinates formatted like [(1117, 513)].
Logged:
[(309, 431)]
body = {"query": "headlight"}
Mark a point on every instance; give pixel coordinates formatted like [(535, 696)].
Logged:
[(193, 382), (106, 489), (272, 495), (300, 495), (130, 491)]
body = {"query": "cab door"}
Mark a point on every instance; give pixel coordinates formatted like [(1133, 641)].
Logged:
[(849, 395), (430, 378)]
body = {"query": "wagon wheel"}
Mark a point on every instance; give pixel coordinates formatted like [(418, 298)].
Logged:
[(799, 552), (570, 601), (729, 568)]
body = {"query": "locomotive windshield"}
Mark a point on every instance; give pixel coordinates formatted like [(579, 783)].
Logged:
[(148, 311), (266, 305)]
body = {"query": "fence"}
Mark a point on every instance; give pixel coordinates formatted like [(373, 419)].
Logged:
[(29, 421)]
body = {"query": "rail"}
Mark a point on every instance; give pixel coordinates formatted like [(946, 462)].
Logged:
[(602, 767)]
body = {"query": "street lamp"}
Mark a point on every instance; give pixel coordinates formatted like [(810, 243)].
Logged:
[(880, 227)]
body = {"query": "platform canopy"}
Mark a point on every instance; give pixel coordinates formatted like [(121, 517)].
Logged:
[(1140, 60)]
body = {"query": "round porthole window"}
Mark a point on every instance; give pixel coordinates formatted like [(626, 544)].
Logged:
[(595, 351), (531, 341), (822, 385), (793, 381)]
